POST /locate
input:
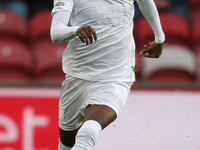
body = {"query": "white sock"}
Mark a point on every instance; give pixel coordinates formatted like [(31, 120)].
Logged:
[(63, 147), (87, 135)]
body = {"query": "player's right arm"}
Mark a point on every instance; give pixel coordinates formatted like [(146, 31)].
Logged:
[(61, 32)]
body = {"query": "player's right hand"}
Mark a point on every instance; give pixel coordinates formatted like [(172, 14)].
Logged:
[(86, 34)]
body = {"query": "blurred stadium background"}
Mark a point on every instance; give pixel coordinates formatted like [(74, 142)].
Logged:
[(31, 76)]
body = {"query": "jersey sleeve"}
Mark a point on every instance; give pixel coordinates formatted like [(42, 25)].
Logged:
[(63, 5), (60, 31), (150, 12)]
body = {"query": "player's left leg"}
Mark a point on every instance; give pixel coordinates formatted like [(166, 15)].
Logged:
[(97, 117), (100, 113), (105, 101)]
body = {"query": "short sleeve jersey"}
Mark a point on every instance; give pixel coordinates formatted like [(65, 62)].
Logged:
[(112, 56)]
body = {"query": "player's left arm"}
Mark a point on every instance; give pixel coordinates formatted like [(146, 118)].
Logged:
[(152, 50), (150, 12)]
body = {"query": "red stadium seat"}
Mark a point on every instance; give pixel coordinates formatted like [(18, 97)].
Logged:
[(176, 64), (194, 3), (15, 61), (12, 25), (195, 32), (194, 7), (171, 75), (176, 29), (48, 59), (40, 25), (197, 50)]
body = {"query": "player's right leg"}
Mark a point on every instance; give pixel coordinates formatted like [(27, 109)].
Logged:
[(70, 118), (67, 139)]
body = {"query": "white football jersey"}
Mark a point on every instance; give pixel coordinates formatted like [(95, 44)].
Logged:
[(112, 56)]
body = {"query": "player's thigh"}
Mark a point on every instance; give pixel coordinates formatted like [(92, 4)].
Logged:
[(72, 98), (101, 113), (106, 100)]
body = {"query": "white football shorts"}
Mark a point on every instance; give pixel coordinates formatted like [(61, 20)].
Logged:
[(77, 94)]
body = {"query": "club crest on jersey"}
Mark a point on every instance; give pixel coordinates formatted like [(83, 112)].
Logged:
[(59, 3)]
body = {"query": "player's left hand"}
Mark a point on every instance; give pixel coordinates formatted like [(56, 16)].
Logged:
[(152, 50)]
